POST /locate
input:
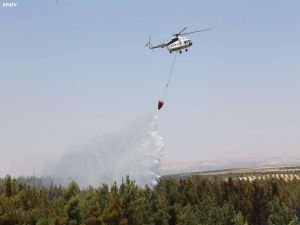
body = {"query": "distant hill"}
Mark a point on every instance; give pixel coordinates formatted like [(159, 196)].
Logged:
[(170, 168)]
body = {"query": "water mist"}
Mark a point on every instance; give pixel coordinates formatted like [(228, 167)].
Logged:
[(135, 151)]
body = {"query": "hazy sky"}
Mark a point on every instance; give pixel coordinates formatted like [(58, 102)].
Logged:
[(77, 69)]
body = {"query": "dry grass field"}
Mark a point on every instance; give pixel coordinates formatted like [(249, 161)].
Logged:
[(251, 174)]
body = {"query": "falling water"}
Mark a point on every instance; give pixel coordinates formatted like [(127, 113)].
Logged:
[(135, 151)]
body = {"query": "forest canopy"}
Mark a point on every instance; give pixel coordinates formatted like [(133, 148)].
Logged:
[(189, 200)]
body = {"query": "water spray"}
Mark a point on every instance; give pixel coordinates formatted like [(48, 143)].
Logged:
[(136, 151)]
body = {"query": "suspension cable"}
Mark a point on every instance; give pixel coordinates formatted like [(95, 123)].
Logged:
[(170, 76)]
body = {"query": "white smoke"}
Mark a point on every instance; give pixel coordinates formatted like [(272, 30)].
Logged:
[(136, 151)]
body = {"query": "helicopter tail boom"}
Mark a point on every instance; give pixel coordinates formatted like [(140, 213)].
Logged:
[(154, 46)]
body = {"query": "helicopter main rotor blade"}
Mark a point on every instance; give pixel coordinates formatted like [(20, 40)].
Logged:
[(180, 32), (195, 31)]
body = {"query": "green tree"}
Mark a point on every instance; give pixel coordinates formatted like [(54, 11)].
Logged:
[(90, 207), (279, 213), (72, 210), (71, 191), (112, 215), (10, 186)]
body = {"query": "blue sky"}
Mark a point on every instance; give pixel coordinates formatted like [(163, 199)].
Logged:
[(77, 69)]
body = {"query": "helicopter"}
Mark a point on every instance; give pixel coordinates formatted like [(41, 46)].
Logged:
[(178, 43)]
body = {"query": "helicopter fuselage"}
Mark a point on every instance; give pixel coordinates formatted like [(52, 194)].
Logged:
[(179, 44)]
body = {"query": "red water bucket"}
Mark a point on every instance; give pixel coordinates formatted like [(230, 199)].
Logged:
[(160, 104)]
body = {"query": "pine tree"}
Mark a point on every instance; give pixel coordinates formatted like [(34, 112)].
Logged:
[(279, 213)]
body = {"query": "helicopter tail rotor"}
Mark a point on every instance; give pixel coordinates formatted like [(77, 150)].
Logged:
[(149, 43)]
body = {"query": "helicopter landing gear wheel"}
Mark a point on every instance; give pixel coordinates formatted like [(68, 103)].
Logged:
[(180, 51), (170, 51), (186, 49)]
